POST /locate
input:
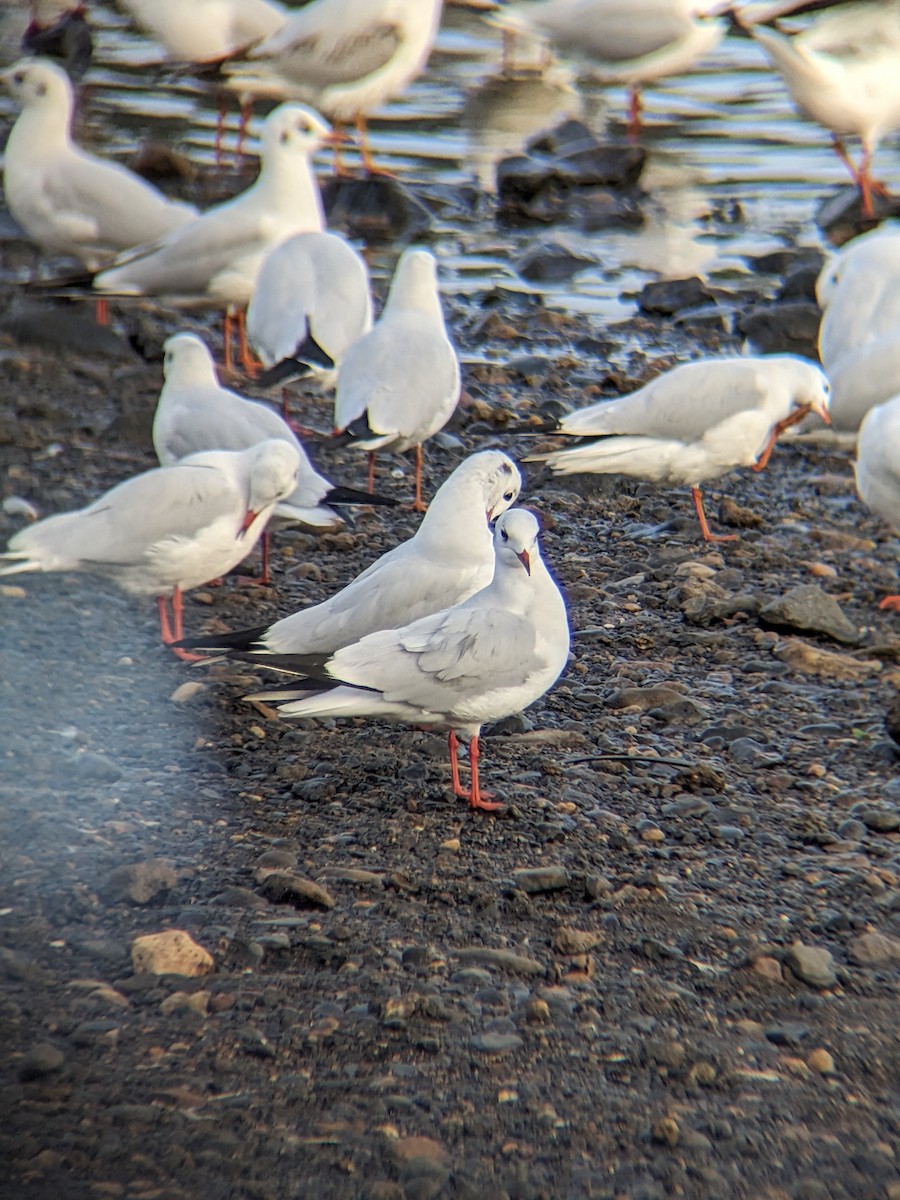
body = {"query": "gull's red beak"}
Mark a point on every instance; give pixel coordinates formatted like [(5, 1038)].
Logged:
[(248, 520), (524, 560)]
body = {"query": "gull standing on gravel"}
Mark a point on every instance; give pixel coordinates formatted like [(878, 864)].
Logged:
[(632, 42), (694, 423), (843, 71), (196, 413), (449, 558), (311, 302), (168, 530), (66, 200), (479, 661), (878, 469), (218, 256), (346, 57), (399, 384), (206, 31)]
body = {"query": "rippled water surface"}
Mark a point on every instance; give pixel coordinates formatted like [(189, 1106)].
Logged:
[(732, 168)]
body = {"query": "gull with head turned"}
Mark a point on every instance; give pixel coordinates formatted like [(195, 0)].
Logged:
[(479, 661), (449, 558)]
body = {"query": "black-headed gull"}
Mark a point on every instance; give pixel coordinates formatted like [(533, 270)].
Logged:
[(843, 72), (196, 413), (694, 423), (632, 42), (217, 257), (479, 661), (66, 200), (347, 57), (206, 31), (878, 469), (449, 558), (399, 385), (168, 530)]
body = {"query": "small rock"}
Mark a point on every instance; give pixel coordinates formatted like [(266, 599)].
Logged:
[(284, 887), (821, 1061), (809, 609), (668, 296), (172, 952), (812, 964), (644, 698), (497, 1043), (197, 1002), (769, 968), (880, 820), (88, 767), (576, 941), (873, 949), (421, 1154), (541, 879), (506, 960), (42, 1059), (551, 263), (187, 691), (140, 883), (666, 1131), (825, 663)]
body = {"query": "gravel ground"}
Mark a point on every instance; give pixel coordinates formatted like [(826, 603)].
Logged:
[(670, 970)]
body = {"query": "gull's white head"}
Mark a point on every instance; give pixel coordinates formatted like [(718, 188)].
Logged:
[(415, 282), (273, 467), (489, 479), (813, 392), (38, 81), (186, 359), (516, 539), (294, 129)]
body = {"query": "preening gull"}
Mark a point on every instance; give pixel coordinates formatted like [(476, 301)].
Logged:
[(694, 423), (399, 384), (168, 530), (459, 668)]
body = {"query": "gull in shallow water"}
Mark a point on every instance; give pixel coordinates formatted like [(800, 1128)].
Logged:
[(399, 384), (346, 57), (196, 413), (459, 668), (633, 42), (449, 558), (66, 200), (694, 423), (168, 530), (843, 72), (878, 469), (217, 257), (207, 31)]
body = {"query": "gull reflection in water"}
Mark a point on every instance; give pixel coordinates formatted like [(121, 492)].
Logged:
[(506, 111)]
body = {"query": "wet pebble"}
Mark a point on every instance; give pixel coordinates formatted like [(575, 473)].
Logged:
[(284, 887), (873, 949), (496, 1042), (141, 883)]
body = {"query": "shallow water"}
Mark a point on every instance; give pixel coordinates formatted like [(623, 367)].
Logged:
[(726, 133)]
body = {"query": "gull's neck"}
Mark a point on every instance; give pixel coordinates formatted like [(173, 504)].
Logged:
[(288, 183)]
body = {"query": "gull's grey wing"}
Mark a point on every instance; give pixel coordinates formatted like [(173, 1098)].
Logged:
[(440, 661), (320, 56), (120, 527), (682, 404)]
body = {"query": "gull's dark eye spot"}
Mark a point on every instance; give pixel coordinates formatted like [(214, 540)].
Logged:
[(19, 77), (41, 89), (284, 136), (504, 535), (507, 496)]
